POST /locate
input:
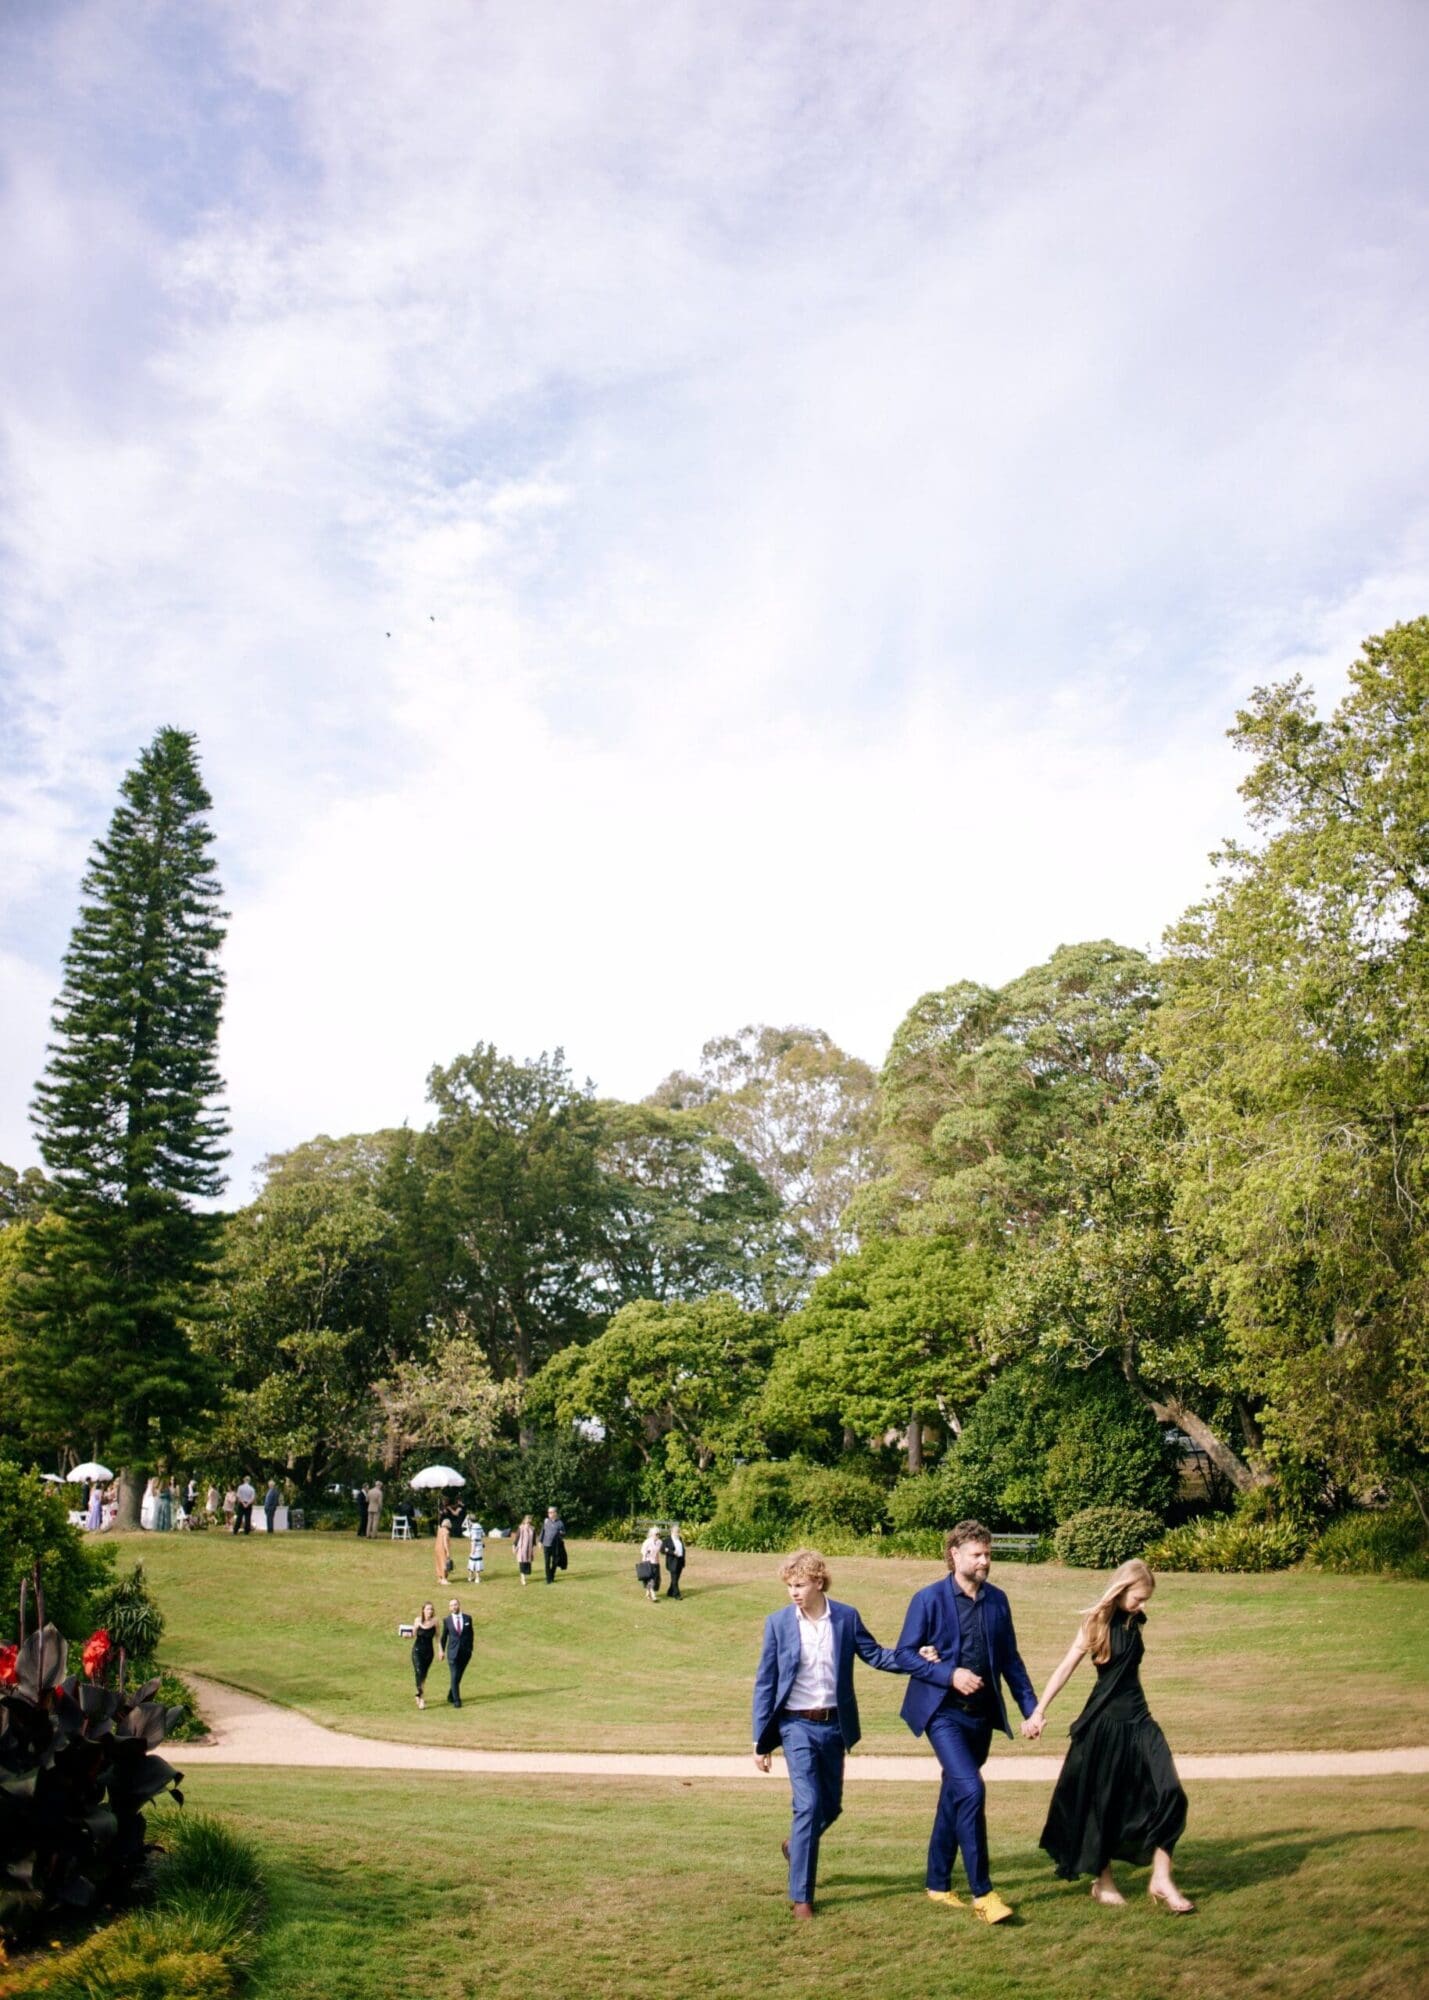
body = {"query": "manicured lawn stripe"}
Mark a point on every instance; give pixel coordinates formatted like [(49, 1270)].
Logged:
[(1296, 1660), (447, 1887)]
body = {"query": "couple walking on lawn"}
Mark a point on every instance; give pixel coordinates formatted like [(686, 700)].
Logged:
[(1118, 1797)]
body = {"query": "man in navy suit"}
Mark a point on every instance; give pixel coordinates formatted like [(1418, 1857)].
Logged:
[(804, 1700), (458, 1639), (968, 1621)]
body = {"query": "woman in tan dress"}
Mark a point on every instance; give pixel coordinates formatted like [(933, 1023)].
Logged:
[(444, 1546)]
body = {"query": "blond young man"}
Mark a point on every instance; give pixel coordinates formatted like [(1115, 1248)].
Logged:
[(804, 1702)]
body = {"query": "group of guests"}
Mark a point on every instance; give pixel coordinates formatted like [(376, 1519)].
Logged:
[(1118, 1797), (170, 1503), (665, 1545)]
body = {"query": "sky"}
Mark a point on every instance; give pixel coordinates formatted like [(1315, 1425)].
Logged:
[(669, 516)]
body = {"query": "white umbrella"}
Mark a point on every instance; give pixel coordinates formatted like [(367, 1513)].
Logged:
[(437, 1475), (53, 1477), (89, 1470)]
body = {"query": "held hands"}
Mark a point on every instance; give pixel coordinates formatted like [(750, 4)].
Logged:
[(1034, 1724), (763, 1760)]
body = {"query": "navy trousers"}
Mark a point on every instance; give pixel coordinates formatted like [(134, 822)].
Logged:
[(960, 1743), (814, 1754)]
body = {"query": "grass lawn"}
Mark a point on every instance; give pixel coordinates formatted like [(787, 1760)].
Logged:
[(1293, 1660), (387, 1887)]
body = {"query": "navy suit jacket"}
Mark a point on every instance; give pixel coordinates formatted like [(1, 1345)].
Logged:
[(932, 1620), (779, 1664)]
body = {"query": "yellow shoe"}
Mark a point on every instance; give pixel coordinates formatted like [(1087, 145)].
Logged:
[(946, 1897), (991, 1908)]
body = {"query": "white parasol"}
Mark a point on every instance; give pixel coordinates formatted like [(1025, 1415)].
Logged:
[(89, 1470), (437, 1475), (54, 1478)]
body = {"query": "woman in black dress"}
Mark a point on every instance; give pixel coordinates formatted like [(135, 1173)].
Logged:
[(1118, 1798), (424, 1642)]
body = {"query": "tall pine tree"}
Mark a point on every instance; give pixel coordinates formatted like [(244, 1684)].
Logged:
[(131, 1131)]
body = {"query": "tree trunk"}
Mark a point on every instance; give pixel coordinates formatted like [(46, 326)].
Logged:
[(915, 1443), (1241, 1476), (132, 1481)]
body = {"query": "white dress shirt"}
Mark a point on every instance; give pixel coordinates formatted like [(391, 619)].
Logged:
[(816, 1683)]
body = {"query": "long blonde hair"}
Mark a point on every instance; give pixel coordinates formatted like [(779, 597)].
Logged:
[(1096, 1619)]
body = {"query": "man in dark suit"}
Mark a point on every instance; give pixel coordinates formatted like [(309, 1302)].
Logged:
[(966, 1621), (804, 1701), (673, 1550), (457, 1642)]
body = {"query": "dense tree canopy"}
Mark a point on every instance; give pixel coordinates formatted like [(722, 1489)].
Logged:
[(1296, 1044), (888, 1339)]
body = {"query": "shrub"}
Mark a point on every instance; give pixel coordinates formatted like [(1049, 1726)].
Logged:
[(839, 1497), (35, 1528), (756, 1509), (77, 1768), (1383, 1541), (1102, 1537), (197, 1940), (1223, 1542), (1040, 1446), (127, 1610), (558, 1470)]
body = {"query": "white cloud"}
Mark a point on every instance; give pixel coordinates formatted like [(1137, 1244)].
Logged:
[(827, 477)]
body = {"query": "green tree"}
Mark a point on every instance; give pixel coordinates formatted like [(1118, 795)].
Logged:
[(685, 1213), (685, 1368), (889, 1339), (129, 1126), (35, 1528), (22, 1195), (1040, 1446), (803, 1112), (982, 1090), (501, 1209), (302, 1313), (1107, 1277), (1295, 1037)]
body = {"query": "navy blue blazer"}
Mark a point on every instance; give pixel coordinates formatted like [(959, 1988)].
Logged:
[(932, 1620), (779, 1664)]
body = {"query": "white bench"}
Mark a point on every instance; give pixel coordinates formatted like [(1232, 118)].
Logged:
[(1015, 1545)]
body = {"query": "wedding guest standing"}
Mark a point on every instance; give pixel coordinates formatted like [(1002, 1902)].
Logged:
[(476, 1550), (272, 1501), (444, 1546), (1118, 1797), (94, 1518), (647, 1569), (523, 1544), (245, 1493), (230, 1509), (425, 1628), (457, 1642), (674, 1552), (374, 1508), (553, 1543), (210, 1504), (359, 1500), (164, 1508)]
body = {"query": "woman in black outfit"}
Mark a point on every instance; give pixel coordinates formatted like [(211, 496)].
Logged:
[(424, 1644), (1118, 1798)]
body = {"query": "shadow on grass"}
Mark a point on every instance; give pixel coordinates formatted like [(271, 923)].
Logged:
[(1207, 1867)]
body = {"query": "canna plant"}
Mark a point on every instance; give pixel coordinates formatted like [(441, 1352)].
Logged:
[(78, 1765)]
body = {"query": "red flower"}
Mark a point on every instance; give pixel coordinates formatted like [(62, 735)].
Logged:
[(97, 1648), (9, 1673)]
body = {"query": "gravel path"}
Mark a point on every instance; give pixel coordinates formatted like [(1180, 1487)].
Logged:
[(249, 1731)]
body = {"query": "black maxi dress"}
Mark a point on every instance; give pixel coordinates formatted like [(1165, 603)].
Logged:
[(1118, 1798), (424, 1645)]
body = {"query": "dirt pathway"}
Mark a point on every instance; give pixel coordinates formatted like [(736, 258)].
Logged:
[(249, 1731)]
